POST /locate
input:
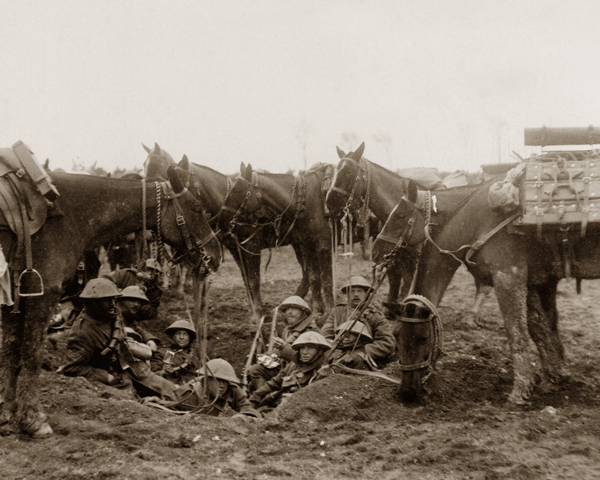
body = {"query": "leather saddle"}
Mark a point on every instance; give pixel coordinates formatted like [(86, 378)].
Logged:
[(23, 210)]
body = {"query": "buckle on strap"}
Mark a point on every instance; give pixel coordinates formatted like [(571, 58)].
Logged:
[(179, 219)]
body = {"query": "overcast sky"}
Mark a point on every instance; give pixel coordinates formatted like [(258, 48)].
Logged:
[(443, 83)]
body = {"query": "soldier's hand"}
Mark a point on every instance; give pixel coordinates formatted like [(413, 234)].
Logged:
[(152, 345), (278, 343)]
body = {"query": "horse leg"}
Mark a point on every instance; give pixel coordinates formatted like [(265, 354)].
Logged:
[(324, 264), (543, 327), (395, 280), (249, 265), (29, 416), (483, 291), (511, 290), (12, 333), (303, 287), (314, 276)]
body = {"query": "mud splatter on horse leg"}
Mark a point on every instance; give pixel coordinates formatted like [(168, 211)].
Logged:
[(543, 327), (511, 291), (12, 333)]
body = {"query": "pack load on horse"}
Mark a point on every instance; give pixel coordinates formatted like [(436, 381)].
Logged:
[(247, 241), (523, 255), (89, 212), (292, 205)]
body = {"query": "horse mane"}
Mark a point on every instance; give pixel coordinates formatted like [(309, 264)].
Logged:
[(205, 167)]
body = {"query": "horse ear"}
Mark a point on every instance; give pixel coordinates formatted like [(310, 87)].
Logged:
[(242, 168), (357, 155), (184, 164), (47, 165), (176, 183), (412, 191), (248, 173), (340, 152), (157, 148), (146, 148)]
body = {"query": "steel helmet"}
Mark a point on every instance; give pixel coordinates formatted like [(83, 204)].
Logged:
[(358, 327), (153, 263), (295, 301), (219, 368), (181, 325), (357, 281), (133, 291), (311, 338), (100, 288)]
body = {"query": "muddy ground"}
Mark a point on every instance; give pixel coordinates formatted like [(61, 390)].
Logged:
[(342, 427)]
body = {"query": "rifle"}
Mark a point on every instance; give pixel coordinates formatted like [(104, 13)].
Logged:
[(273, 330), (257, 336)]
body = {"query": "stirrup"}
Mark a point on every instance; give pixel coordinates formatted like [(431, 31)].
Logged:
[(34, 285)]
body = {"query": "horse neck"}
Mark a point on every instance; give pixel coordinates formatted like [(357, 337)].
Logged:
[(212, 187), (276, 190), (111, 207), (386, 190), (434, 274)]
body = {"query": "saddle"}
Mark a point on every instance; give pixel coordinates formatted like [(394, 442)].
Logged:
[(26, 192)]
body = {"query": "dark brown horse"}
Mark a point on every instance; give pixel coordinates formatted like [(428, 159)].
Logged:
[(211, 188), (90, 211), (293, 206), (518, 266)]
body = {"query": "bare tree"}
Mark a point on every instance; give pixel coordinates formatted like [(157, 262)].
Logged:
[(305, 131), (386, 142)]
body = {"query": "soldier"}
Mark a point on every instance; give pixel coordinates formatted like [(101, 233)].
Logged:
[(88, 353), (309, 356), (176, 362), (297, 320), (129, 306), (383, 342), (351, 350)]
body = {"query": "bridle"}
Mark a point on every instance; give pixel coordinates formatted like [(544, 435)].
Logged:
[(423, 205), (196, 253), (416, 314), (364, 197)]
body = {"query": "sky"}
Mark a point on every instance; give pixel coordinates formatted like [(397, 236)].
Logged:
[(449, 84)]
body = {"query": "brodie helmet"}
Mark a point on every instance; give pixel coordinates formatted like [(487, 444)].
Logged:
[(153, 264), (100, 288), (181, 325), (221, 369), (295, 301), (133, 291), (311, 338), (358, 327), (357, 281)]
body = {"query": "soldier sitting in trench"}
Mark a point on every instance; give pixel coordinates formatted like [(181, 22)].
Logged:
[(99, 350), (382, 345), (309, 356), (297, 320), (176, 362)]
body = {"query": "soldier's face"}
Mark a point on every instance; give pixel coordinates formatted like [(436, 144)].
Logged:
[(357, 295), (308, 353), (223, 386), (348, 340), (132, 305), (107, 305), (293, 315), (181, 338)]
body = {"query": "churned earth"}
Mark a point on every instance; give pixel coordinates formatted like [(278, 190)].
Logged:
[(343, 427)]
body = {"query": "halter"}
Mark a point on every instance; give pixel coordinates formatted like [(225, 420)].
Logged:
[(422, 205), (196, 248), (366, 175), (433, 320)]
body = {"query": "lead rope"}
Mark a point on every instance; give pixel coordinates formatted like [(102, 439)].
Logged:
[(159, 239)]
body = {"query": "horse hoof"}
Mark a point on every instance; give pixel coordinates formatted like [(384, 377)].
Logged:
[(43, 432)]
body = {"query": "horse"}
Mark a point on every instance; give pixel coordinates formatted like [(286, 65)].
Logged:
[(89, 212), (293, 206), (461, 228), (211, 188)]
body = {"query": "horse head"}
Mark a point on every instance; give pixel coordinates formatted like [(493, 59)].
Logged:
[(157, 163), (184, 224), (418, 341), (345, 191), (239, 200), (404, 227)]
